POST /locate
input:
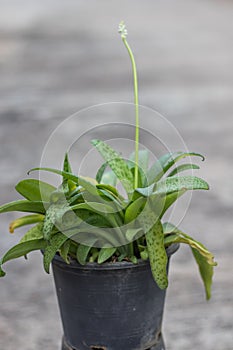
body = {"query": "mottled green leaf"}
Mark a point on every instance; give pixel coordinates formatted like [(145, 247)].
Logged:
[(36, 232), (117, 164), (53, 246), (157, 254), (155, 245), (180, 183), (49, 221), (53, 214), (163, 164)]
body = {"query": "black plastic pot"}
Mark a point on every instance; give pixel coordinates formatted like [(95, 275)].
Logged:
[(113, 306)]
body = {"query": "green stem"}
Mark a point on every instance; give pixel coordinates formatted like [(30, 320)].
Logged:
[(123, 36)]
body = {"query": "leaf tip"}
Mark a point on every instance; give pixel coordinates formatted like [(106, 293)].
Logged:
[(95, 142), (11, 227), (2, 273), (202, 158), (46, 267)]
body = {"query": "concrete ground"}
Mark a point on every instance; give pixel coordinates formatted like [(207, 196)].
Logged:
[(59, 57)]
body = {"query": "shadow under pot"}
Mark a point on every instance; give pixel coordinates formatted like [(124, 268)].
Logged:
[(113, 306)]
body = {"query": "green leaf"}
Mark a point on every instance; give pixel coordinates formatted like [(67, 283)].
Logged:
[(162, 201), (107, 235), (67, 184), (184, 238), (65, 174), (143, 162), (108, 188), (203, 257), (53, 246), (83, 250), (24, 206), (100, 172), (107, 196), (133, 209), (133, 259), (131, 233), (22, 249), (143, 159), (206, 271), (117, 164), (101, 208), (95, 207), (122, 256), (163, 164), (158, 168), (170, 199), (66, 164), (88, 185), (35, 190), (144, 254), (94, 214), (105, 254), (64, 251), (145, 191), (109, 178), (59, 195), (25, 220), (93, 255), (183, 167), (36, 232)]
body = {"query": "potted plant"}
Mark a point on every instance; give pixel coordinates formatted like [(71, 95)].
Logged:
[(110, 253)]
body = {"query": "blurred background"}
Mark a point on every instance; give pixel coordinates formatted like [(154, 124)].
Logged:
[(57, 57)]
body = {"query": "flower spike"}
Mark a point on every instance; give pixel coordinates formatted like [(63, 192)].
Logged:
[(122, 30)]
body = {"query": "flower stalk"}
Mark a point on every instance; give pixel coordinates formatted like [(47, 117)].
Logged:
[(123, 31)]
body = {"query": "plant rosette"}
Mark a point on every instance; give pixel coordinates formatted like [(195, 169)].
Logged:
[(89, 221)]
